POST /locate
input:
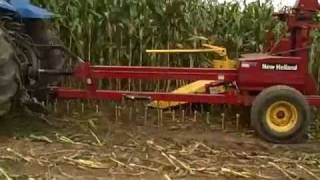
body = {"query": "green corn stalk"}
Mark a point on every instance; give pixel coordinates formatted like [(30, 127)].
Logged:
[(314, 68)]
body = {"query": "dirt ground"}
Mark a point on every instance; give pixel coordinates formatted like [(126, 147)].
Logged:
[(100, 146)]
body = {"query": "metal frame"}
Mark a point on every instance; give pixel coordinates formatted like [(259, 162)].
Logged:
[(90, 74), (153, 73), (227, 98)]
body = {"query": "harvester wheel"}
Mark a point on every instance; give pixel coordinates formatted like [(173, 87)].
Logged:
[(9, 74), (280, 114)]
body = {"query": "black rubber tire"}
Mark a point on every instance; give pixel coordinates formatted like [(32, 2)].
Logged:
[(280, 93), (9, 75), (41, 32)]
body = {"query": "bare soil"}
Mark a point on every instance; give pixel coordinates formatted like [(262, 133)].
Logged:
[(100, 146)]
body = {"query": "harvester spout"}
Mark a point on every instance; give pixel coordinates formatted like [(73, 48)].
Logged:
[(221, 51), (308, 5), (207, 49)]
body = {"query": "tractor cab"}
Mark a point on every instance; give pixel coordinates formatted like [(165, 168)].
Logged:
[(25, 9)]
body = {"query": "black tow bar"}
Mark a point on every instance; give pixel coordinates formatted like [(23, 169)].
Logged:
[(55, 72)]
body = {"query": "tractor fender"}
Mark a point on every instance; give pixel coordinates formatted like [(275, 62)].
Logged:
[(27, 10), (4, 5)]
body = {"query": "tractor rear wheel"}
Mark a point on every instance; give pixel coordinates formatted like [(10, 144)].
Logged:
[(9, 74), (42, 33), (280, 114)]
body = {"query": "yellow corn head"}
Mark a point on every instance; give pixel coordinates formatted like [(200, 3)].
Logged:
[(197, 87)]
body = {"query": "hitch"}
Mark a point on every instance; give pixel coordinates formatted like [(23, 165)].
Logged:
[(55, 72)]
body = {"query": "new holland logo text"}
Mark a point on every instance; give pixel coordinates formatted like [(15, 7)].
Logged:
[(280, 67)]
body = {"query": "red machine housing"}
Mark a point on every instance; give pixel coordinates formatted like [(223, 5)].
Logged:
[(285, 64), (259, 72)]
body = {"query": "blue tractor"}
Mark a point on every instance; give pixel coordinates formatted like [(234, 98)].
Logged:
[(27, 44)]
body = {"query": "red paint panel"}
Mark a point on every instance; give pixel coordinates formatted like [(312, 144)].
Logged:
[(313, 100), (308, 5), (154, 75), (253, 77)]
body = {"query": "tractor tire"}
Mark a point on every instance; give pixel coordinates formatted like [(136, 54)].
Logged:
[(280, 114), (42, 33), (9, 75)]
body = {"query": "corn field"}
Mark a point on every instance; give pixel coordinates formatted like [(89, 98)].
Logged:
[(119, 31)]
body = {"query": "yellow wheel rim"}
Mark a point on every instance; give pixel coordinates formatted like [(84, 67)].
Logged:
[(282, 117)]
